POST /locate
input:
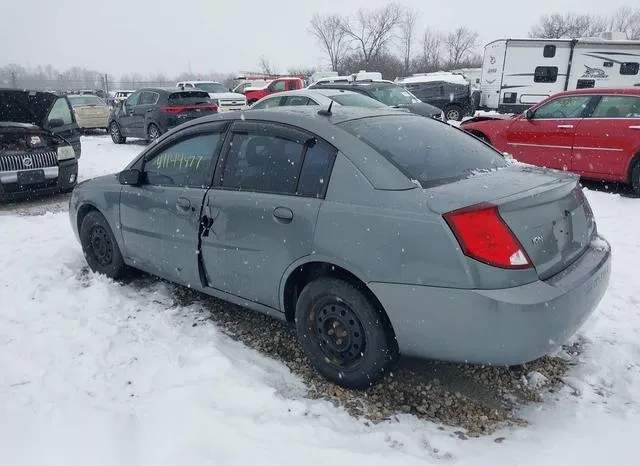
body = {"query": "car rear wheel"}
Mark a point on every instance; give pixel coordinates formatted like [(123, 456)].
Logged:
[(153, 132), (343, 334), (100, 247), (453, 112), (116, 135)]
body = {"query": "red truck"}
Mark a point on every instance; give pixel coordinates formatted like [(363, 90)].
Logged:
[(253, 94)]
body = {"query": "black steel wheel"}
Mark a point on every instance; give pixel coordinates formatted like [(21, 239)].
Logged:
[(344, 335), (100, 247)]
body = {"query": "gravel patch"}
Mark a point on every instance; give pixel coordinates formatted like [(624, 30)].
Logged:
[(475, 399)]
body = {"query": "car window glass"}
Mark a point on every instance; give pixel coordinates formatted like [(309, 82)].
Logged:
[(617, 106), (295, 100), (61, 111), (278, 86), (262, 162), (188, 162), (314, 176), (132, 100), (563, 107), (424, 150), (267, 103), (147, 98)]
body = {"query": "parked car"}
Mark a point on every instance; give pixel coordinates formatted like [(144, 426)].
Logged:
[(39, 144), (451, 94), (592, 132), (386, 92), (377, 232), (317, 97), (253, 94), (91, 112), (225, 100), (151, 112)]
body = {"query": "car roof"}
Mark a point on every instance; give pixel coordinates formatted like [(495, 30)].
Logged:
[(306, 91), (362, 84), (169, 89), (602, 90)]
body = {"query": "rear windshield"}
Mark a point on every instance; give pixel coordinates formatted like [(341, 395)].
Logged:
[(356, 100), (79, 101), (212, 88), (189, 98), (431, 152)]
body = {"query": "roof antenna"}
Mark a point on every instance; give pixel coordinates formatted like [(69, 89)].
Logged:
[(326, 112)]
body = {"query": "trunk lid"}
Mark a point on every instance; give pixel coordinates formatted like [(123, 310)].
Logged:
[(545, 209)]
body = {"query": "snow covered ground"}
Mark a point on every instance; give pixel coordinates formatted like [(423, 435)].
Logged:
[(95, 373)]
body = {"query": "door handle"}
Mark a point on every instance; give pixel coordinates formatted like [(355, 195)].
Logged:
[(634, 127), (183, 204), (283, 214), (565, 126)]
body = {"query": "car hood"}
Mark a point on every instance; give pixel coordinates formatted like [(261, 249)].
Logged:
[(20, 106), (492, 117), (423, 109), (226, 95)]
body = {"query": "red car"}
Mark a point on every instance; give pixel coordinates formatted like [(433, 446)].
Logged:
[(277, 85), (592, 132)]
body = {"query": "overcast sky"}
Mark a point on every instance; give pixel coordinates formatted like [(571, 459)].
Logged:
[(145, 36)]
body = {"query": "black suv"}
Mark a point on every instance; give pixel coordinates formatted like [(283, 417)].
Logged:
[(39, 144), (150, 112), (454, 99), (386, 92)]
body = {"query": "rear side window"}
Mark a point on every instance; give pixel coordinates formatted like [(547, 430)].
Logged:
[(427, 151), (545, 74), (188, 98), (356, 100)]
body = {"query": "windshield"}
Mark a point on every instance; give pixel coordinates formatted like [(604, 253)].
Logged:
[(425, 150), (211, 88), (356, 100), (394, 95), (82, 100)]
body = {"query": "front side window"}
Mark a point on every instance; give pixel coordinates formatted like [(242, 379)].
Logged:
[(429, 152), (61, 111), (187, 163), (296, 100), (563, 107), (617, 106), (278, 86), (132, 100)]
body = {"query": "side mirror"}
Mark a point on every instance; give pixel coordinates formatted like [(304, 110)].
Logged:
[(528, 114), (131, 177), (56, 123)]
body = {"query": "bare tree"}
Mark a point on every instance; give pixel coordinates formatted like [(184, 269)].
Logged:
[(626, 20), (569, 25), (331, 34), (460, 43), (265, 65), (372, 30), (407, 33), (430, 59)]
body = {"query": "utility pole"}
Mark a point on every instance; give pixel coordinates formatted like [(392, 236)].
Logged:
[(14, 79)]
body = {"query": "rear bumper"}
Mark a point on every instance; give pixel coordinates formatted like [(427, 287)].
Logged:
[(57, 179), (499, 327)]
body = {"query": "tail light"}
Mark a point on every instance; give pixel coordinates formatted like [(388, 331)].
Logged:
[(483, 235), (180, 109)]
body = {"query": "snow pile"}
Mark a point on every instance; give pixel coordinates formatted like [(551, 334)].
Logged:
[(96, 373)]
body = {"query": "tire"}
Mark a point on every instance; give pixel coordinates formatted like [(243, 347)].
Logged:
[(453, 112), (343, 334), (116, 135), (153, 132), (635, 177), (99, 246)]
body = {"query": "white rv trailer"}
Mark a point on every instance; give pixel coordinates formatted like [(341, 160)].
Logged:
[(518, 73)]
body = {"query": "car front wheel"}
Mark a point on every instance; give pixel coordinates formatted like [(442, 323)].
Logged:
[(116, 135), (100, 247), (343, 334)]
